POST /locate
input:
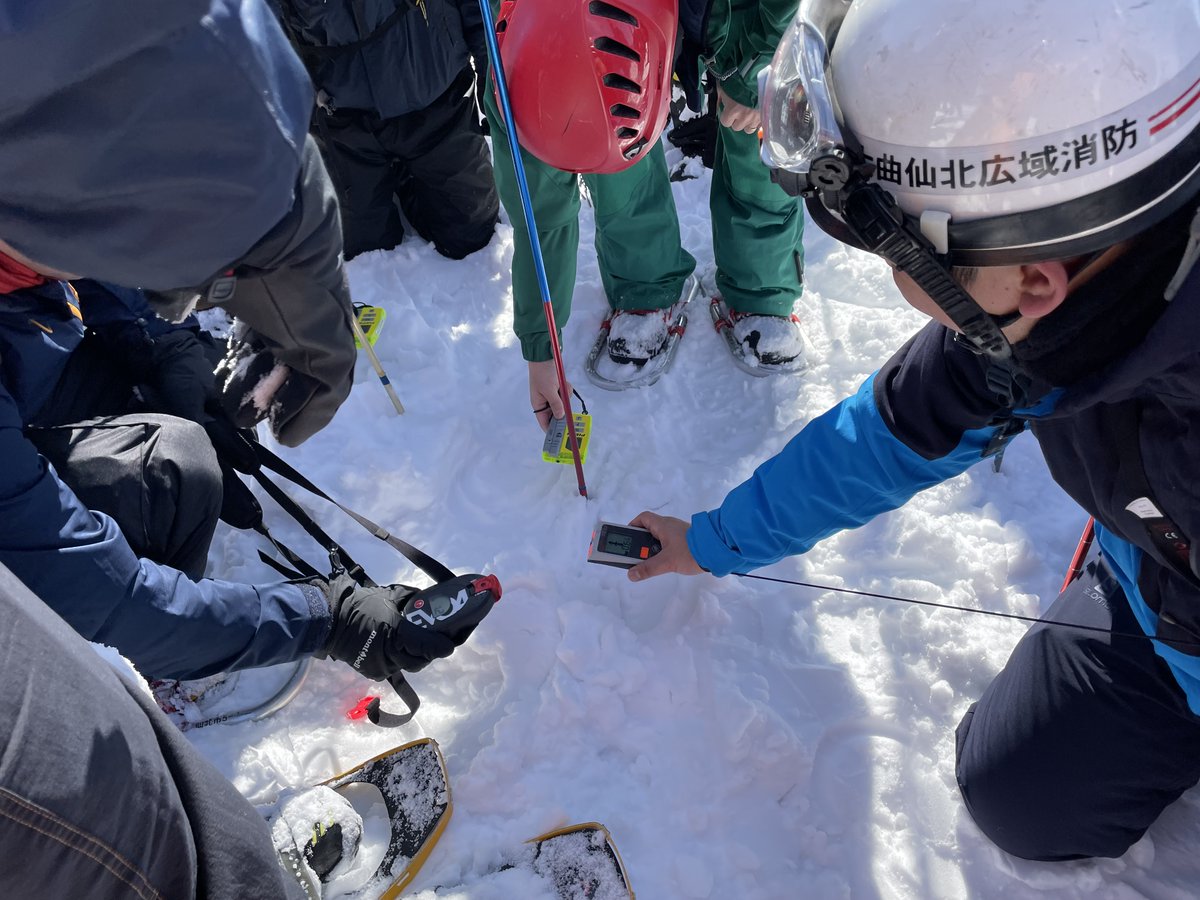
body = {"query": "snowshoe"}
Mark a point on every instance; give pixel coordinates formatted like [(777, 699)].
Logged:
[(636, 347), (760, 344), (579, 862), (231, 696), (323, 837)]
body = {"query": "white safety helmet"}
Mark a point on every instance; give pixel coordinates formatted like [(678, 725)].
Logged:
[(1012, 130), (1079, 109)]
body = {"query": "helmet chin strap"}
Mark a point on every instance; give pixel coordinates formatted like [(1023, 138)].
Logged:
[(881, 228), (873, 215), (1003, 321)]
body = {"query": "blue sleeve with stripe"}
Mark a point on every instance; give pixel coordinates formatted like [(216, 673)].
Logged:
[(842, 470)]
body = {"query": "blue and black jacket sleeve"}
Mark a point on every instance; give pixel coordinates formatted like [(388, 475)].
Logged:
[(924, 417)]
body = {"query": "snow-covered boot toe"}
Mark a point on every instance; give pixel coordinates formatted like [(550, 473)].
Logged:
[(637, 335), (317, 833), (773, 340), (761, 344), (636, 346)]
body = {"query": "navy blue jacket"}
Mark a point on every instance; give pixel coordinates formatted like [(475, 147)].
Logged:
[(389, 57), (927, 415), (78, 562)]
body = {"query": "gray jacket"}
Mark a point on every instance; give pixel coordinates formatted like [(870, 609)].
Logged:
[(157, 145)]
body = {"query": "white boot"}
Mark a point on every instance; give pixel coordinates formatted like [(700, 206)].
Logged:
[(317, 832), (637, 335), (772, 340)]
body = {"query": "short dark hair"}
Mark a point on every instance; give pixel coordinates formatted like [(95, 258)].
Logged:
[(964, 275)]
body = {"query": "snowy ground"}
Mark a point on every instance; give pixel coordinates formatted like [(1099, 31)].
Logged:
[(741, 739)]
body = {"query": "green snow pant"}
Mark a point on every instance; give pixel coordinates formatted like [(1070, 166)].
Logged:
[(757, 230), (642, 261)]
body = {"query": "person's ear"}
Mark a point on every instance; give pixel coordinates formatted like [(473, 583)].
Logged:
[(1043, 288)]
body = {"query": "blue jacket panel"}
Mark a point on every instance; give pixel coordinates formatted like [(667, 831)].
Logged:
[(1127, 430), (778, 513), (1125, 561), (79, 563), (39, 330), (146, 143)]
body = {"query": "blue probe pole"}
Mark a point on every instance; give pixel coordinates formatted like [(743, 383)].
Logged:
[(489, 28)]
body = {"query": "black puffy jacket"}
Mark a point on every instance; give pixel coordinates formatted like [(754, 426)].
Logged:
[(389, 57)]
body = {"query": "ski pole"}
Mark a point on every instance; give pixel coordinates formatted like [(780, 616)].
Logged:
[(1081, 552), (361, 337), (514, 146)]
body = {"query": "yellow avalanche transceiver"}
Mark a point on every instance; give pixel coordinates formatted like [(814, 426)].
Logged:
[(370, 319), (557, 446)]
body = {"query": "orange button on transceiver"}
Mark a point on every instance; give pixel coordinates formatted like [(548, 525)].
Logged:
[(645, 554)]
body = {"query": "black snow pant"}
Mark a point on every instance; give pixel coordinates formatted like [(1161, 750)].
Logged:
[(100, 795), (1083, 739), (434, 162), (156, 476)]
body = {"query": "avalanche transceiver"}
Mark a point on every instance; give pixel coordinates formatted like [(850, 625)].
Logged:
[(623, 546), (455, 606), (371, 319), (557, 447)]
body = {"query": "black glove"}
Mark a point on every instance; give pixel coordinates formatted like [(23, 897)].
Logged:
[(253, 386), (370, 634)]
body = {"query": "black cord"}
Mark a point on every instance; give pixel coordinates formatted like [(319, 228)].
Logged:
[(981, 612)]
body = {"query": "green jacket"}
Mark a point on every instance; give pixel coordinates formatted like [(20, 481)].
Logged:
[(740, 37)]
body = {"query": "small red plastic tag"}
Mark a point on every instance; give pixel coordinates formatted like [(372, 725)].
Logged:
[(360, 711)]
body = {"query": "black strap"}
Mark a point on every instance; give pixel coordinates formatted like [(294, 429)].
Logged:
[(875, 218), (392, 720), (270, 461), (339, 558), (301, 565)]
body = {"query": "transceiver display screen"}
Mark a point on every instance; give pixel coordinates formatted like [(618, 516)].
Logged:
[(615, 542)]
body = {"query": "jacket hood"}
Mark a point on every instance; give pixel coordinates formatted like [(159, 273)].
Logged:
[(150, 148)]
